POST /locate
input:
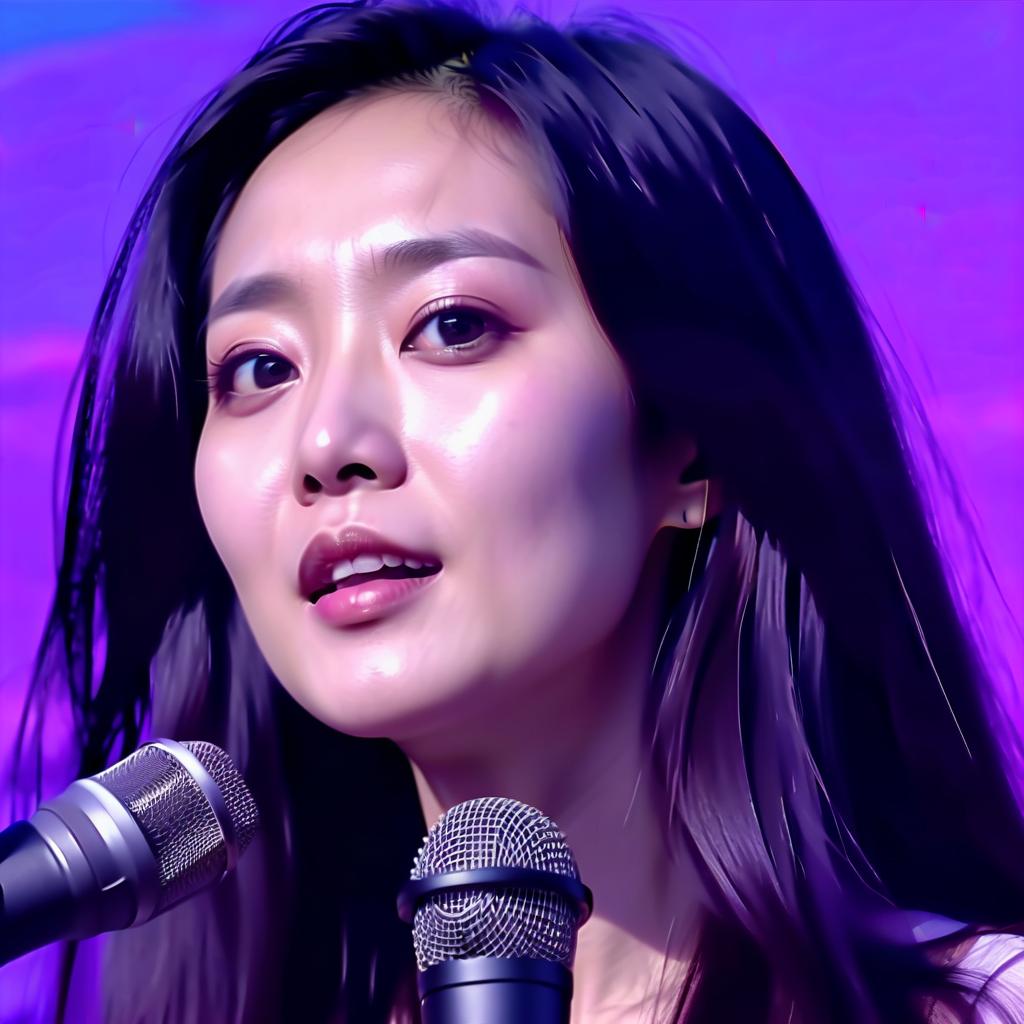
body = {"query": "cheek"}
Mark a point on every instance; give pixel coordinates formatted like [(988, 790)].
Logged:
[(237, 487), (565, 460), (548, 516)]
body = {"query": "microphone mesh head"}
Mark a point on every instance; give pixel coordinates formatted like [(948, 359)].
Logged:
[(494, 921), (176, 818)]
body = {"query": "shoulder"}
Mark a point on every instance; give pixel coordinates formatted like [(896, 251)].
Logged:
[(993, 967)]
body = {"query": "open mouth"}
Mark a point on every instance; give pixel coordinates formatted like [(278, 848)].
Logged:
[(398, 572)]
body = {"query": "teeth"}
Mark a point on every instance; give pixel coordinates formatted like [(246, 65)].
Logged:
[(342, 570), (367, 563), (370, 563)]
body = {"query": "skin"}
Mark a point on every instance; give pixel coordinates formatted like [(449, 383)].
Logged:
[(520, 671)]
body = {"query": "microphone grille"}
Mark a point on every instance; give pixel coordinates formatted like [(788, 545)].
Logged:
[(494, 922), (176, 817)]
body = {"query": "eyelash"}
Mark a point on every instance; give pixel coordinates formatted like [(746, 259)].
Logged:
[(222, 373)]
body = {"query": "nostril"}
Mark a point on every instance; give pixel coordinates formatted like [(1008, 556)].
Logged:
[(313, 485), (356, 469)]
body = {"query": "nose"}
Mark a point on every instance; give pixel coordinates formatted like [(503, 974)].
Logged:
[(350, 438)]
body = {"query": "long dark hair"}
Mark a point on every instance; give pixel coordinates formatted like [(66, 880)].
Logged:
[(818, 710)]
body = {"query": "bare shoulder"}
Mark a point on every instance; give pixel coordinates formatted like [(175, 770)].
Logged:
[(993, 966)]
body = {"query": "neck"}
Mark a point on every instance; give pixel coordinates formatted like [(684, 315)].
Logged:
[(578, 755)]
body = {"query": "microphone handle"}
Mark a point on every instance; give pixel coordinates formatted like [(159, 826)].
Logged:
[(79, 866), (36, 902), (494, 990)]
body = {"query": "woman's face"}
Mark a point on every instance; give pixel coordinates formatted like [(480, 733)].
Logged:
[(500, 439)]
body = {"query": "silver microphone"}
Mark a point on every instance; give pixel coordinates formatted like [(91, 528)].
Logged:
[(118, 848), (495, 900)]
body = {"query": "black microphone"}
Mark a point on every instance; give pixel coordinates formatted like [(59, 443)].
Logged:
[(119, 848), (495, 901)]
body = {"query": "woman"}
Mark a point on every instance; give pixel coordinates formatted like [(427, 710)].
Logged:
[(544, 315)]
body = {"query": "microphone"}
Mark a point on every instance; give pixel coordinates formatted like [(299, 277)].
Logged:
[(118, 848), (495, 900)]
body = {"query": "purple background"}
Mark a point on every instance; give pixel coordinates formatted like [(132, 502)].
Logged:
[(902, 120)]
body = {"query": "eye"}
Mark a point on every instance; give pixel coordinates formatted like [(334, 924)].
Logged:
[(247, 373), (449, 325)]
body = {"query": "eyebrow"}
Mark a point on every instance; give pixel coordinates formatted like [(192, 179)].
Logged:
[(400, 259)]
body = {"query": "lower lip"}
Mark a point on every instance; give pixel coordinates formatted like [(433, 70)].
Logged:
[(367, 601)]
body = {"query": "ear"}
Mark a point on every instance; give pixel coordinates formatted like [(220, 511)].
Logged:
[(694, 498)]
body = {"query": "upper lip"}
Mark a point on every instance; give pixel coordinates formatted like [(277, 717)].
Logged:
[(329, 547)]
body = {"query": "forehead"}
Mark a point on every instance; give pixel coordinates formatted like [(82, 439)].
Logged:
[(373, 170)]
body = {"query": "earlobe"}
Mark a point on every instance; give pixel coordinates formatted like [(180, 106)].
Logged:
[(695, 502), (693, 496)]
